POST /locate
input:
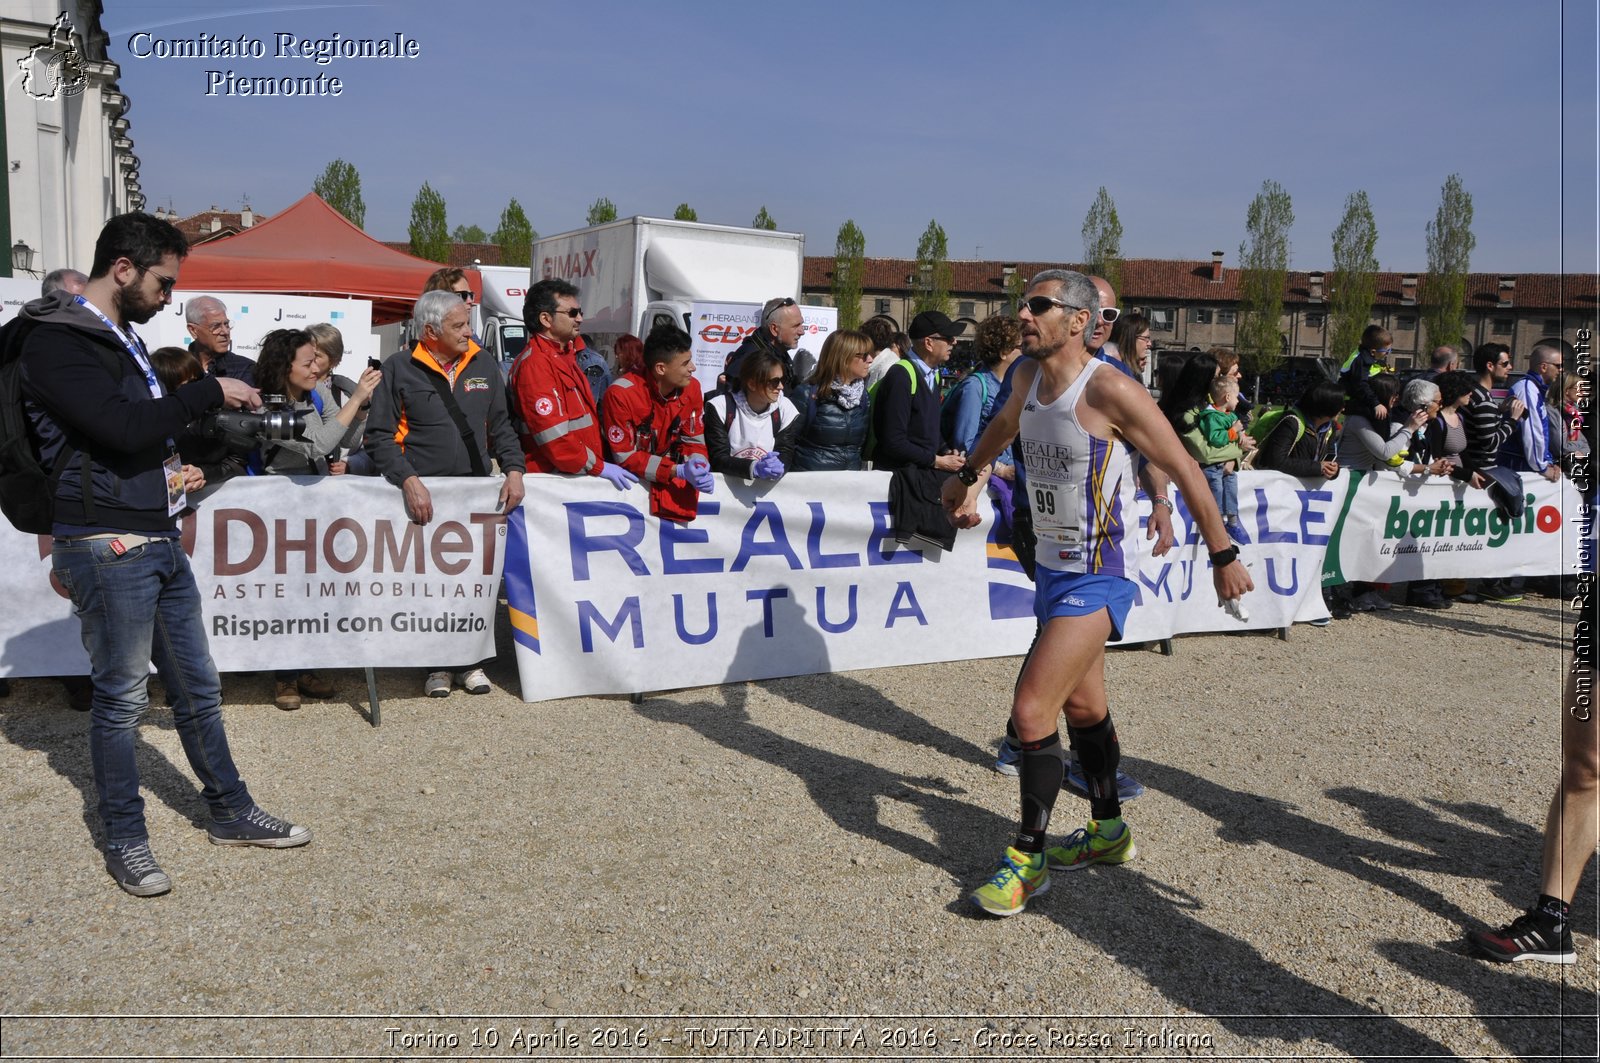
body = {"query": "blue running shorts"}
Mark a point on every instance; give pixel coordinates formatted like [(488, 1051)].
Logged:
[(1081, 593)]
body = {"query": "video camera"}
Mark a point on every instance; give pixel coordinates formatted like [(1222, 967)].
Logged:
[(275, 422)]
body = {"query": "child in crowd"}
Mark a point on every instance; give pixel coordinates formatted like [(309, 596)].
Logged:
[(1369, 360), (1223, 434), (175, 367)]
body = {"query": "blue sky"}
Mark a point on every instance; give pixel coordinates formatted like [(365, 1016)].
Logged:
[(999, 120)]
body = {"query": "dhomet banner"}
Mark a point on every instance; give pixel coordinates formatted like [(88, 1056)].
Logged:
[(804, 576), (1396, 528), (301, 573)]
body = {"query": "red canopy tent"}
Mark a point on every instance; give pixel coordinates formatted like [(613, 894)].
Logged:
[(312, 249)]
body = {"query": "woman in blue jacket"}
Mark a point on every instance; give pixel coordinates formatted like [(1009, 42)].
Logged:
[(835, 405)]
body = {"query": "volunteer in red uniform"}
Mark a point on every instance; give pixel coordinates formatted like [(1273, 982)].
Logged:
[(551, 403), (655, 427)]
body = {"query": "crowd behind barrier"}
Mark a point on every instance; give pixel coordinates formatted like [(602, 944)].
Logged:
[(771, 579)]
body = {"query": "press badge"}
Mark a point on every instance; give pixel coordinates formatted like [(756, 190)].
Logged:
[(177, 501)]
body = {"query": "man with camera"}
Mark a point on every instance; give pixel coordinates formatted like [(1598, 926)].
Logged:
[(105, 425), (441, 411)]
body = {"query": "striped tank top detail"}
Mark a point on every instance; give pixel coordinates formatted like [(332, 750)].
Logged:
[(1080, 487)]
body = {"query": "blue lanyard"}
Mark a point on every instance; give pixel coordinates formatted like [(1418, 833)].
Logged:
[(131, 343)]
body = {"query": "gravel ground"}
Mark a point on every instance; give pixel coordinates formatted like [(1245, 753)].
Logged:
[(1325, 815)]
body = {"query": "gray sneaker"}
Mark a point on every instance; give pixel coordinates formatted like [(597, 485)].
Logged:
[(1008, 757), (255, 827), (135, 869)]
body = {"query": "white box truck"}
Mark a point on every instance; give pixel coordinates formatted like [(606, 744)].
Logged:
[(635, 272), (499, 326)]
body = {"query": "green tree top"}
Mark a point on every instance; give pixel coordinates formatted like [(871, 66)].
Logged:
[(763, 220), (601, 211), (1102, 239), (430, 235), (685, 213), (1354, 278), (1264, 268), (849, 272), (340, 187), (1450, 247), (469, 234), (931, 289), (515, 235)]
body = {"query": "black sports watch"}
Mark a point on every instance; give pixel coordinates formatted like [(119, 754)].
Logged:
[(967, 475), (1224, 558)]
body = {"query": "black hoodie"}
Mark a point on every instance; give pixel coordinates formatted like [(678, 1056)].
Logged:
[(80, 384)]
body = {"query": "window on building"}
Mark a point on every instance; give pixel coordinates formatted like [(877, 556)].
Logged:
[(1316, 320), (1199, 315), (1502, 326), (1227, 317), (881, 306), (1162, 320), (1406, 323), (965, 308)]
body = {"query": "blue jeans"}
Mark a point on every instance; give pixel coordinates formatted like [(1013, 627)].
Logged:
[(1224, 488), (140, 607)]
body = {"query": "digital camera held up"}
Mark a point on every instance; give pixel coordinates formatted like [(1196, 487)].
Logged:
[(275, 422)]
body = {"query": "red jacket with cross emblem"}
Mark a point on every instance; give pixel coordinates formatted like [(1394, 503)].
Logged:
[(649, 435), (553, 410)]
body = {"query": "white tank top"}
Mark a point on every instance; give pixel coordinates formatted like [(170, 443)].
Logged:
[(1080, 487)]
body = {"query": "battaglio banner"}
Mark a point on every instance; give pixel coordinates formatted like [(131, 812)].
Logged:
[(805, 576), (1396, 528), (301, 573)]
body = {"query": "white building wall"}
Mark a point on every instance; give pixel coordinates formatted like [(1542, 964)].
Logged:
[(65, 171)]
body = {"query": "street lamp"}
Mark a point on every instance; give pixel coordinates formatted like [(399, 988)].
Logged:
[(22, 258)]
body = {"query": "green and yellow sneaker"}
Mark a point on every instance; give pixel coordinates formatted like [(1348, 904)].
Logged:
[(1019, 876), (1089, 846)]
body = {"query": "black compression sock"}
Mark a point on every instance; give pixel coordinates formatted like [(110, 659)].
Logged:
[(1554, 909), (1099, 754), (1040, 774)]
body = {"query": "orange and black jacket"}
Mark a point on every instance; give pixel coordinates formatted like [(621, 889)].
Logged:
[(410, 431)]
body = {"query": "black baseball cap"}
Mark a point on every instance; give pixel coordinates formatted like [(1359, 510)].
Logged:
[(933, 323)]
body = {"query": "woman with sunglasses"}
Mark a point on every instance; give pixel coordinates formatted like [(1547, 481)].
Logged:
[(751, 432), (838, 407)]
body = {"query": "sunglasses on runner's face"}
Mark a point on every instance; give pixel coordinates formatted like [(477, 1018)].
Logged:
[(1039, 305), (1109, 314)]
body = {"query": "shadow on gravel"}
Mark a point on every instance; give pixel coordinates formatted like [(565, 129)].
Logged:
[(1427, 620), (1429, 842), (63, 737), (842, 698), (1147, 927), (1565, 1028), (846, 789)]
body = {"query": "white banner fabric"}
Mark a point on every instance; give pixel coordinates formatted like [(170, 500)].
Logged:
[(301, 573), (1396, 529), (253, 315), (804, 576)]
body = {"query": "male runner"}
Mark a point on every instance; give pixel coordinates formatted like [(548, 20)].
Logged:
[(1074, 416)]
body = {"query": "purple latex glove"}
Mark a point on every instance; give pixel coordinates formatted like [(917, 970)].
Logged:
[(620, 478), (767, 467), (697, 471)]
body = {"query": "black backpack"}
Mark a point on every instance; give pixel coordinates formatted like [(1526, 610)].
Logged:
[(27, 490)]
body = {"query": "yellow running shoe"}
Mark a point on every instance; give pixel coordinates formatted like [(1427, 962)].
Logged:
[(1019, 876), (1088, 846)]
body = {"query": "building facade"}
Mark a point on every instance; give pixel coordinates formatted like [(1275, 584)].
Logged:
[(69, 159), (1196, 304)]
